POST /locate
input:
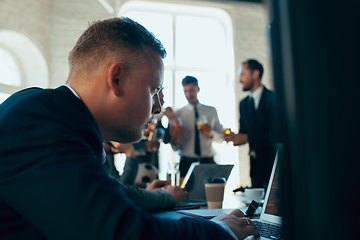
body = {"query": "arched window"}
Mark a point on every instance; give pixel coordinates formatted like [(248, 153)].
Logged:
[(199, 42), (10, 77), (9, 71), (21, 64)]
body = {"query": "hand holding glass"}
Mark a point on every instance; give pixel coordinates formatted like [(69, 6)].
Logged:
[(201, 122), (159, 134), (226, 131)]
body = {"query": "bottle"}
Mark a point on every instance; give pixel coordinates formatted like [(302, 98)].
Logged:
[(173, 174)]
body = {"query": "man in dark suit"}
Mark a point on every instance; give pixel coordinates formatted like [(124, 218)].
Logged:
[(256, 123), (52, 184)]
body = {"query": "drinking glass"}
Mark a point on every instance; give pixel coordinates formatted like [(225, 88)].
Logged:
[(226, 131), (201, 122)]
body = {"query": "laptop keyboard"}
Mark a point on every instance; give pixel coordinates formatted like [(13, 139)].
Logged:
[(268, 230)]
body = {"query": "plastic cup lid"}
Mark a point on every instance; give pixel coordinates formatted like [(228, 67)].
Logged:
[(215, 180)]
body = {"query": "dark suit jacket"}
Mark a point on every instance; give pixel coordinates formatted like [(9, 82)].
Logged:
[(52, 184), (258, 127)]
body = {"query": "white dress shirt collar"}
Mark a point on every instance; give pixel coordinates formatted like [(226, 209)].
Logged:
[(77, 95), (191, 106), (256, 95), (73, 91)]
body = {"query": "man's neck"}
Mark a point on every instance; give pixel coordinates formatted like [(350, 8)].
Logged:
[(196, 103), (255, 87)]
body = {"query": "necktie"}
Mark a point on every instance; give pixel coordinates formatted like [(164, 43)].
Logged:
[(251, 106), (197, 136)]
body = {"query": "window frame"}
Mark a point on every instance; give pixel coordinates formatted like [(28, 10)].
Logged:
[(225, 20)]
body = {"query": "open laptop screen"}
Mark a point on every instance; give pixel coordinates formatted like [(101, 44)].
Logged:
[(196, 175), (270, 211), (273, 201)]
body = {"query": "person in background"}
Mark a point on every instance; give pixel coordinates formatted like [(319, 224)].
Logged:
[(146, 151), (199, 128), (256, 123), (157, 196), (52, 184), (131, 163), (162, 195)]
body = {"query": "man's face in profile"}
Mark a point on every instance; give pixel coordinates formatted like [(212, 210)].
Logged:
[(191, 91), (141, 99), (246, 78)]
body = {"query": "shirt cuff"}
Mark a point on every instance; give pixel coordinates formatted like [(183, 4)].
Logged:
[(226, 227)]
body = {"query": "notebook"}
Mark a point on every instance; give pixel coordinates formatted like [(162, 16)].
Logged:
[(205, 213), (270, 215), (194, 182)]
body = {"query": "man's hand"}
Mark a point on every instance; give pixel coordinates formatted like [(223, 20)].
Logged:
[(237, 139), (170, 114), (229, 137), (240, 226), (175, 130), (153, 145), (206, 129), (177, 192), (157, 185), (116, 147), (128, 149)]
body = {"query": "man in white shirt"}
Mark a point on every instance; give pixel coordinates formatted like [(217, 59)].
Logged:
[(200, 127)]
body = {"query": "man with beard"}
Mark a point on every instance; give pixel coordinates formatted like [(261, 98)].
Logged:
[(255, 123), (52, 184)]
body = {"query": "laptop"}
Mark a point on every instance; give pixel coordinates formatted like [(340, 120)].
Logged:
[(194, 182), (270, 221)]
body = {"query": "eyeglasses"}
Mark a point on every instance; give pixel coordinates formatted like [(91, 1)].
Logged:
[(159, 90)]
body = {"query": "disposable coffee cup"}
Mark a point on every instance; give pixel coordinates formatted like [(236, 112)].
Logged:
[(214, 190)]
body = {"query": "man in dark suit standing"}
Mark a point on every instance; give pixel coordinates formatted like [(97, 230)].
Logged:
[(52, 184), (256, 123)]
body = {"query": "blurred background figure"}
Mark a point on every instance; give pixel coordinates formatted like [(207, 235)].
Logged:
[(255, 123), (130, 166), (146, 151), (199, 127)]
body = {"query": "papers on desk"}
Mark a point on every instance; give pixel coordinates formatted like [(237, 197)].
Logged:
[(207, 213)]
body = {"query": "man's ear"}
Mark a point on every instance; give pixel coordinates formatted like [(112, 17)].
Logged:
[(255, 74), (116, 78)]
